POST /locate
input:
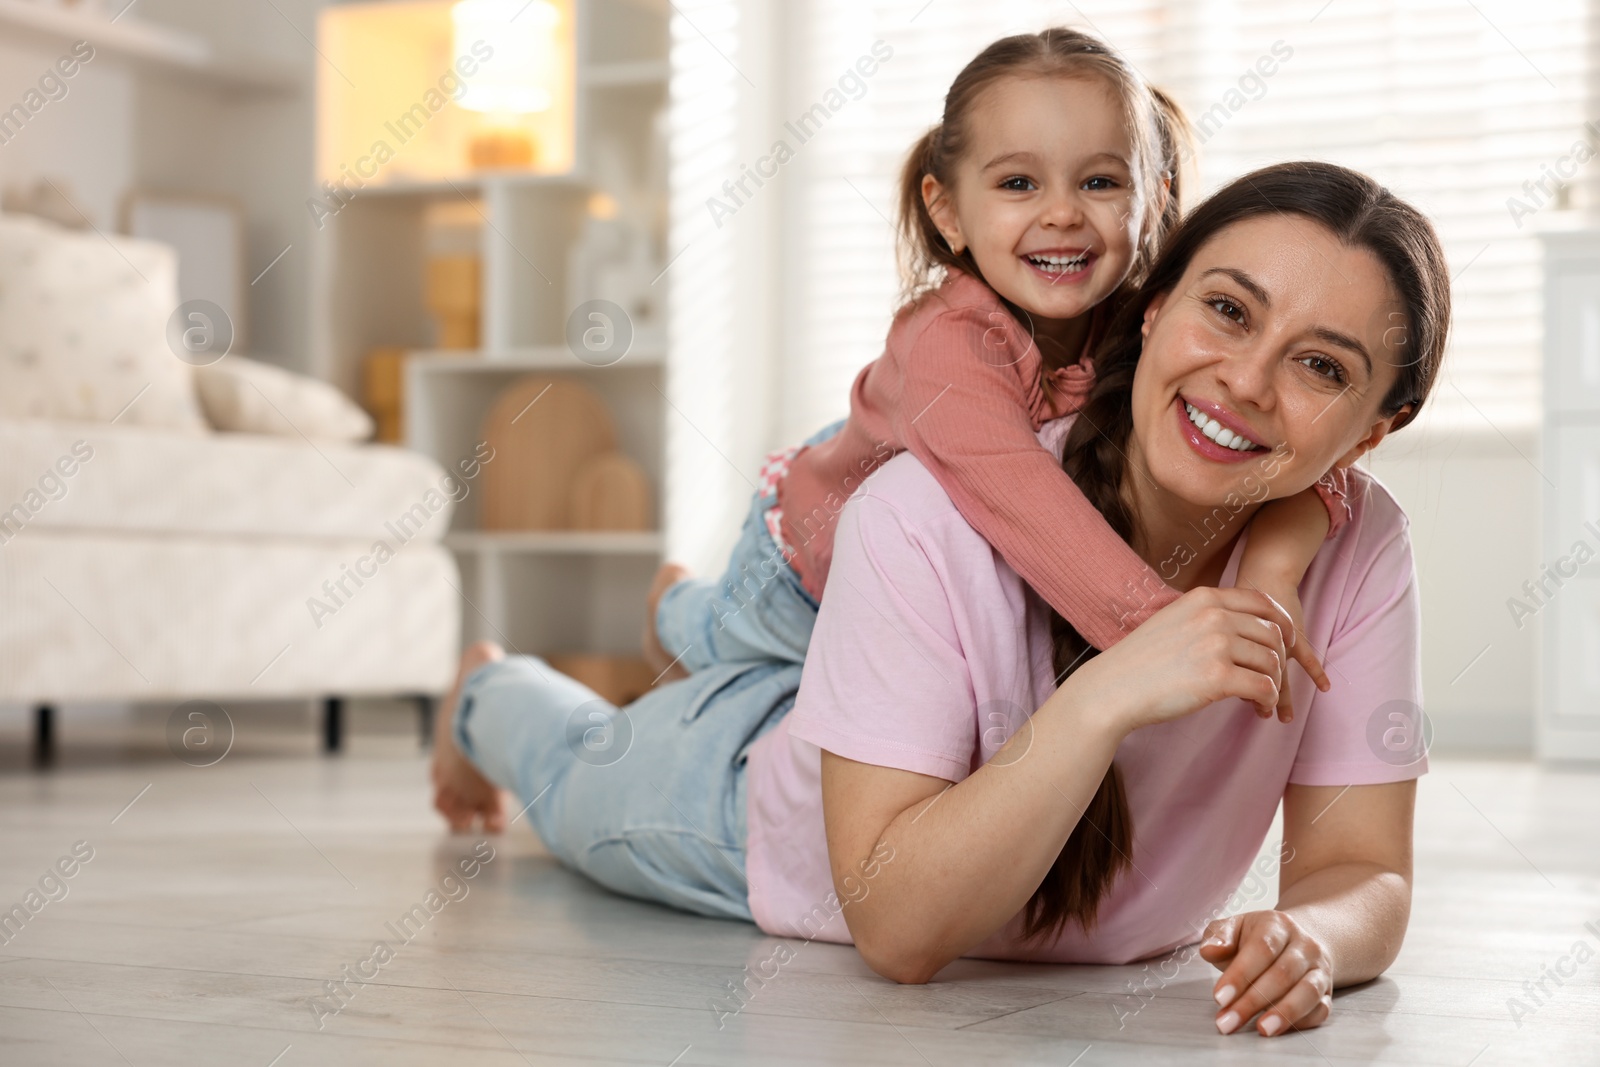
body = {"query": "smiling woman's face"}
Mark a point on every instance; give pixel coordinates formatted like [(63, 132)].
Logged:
[(1267, 362)]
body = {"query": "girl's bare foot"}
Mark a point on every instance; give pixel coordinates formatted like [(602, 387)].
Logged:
[(659, 659), (461, 794)]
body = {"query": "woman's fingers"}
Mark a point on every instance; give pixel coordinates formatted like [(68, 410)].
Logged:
[(1259, 604), (1317, 1015), (1258, 646), (1244, 683), (1302, 654), (1307, 1004), (1279, 973), (1245, 987), (1264, 661), (1217, 947), (1297, 647)]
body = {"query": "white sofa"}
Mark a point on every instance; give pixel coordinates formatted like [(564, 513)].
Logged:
[(157, 558)]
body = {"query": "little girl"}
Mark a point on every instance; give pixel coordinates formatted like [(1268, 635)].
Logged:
[(1025, 215)]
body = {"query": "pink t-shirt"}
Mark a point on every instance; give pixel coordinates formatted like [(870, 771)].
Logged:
[(930, 651)]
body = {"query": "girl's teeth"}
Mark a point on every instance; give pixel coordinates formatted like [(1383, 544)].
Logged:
[(1060, 264), (1217, 432)]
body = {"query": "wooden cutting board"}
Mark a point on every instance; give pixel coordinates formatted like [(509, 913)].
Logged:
[(542, 430), (610, 492)]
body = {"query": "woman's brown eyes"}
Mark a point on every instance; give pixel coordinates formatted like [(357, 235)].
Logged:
[(1227, 307), (1335, 373)]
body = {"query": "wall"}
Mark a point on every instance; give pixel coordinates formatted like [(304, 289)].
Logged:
[(117, 131), (1473, 498), (85, 138)]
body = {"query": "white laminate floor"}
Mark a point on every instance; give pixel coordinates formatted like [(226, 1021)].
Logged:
[(220, 901)]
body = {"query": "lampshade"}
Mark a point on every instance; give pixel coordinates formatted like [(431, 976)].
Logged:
[(516, 81)]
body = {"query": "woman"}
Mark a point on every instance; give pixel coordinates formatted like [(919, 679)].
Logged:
[(935, 788)]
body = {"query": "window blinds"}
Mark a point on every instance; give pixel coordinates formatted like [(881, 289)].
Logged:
[(1453, 105)]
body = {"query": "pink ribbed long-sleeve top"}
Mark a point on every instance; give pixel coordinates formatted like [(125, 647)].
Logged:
[(962, 387)]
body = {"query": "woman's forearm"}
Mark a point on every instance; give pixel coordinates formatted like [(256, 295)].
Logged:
[(1358, 911), (966, 860)]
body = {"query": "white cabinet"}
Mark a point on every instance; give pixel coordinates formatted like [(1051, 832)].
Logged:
[(1566, 590)]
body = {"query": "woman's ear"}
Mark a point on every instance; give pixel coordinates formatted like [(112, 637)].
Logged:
[(1378, 432), (1151, 310), (943, 213)]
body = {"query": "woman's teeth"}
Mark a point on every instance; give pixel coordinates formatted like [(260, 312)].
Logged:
[(1059, 264), (1218, 432)]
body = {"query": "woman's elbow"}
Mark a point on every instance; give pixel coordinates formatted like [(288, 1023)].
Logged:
[(898, 958)]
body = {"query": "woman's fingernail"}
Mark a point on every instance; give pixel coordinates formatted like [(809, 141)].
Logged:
[(1228, 1023), (1225, 996), (1271, 1025)]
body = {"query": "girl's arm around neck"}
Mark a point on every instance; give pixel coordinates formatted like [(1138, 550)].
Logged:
[(969, 405)]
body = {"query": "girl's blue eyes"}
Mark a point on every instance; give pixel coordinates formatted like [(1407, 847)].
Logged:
[(1230, 310)]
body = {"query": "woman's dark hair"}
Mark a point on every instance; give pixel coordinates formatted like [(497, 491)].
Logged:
[(1363, 215), (1158, 130)]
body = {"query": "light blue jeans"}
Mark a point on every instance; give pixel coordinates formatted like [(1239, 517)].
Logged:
[(648, 800), (757, 610)]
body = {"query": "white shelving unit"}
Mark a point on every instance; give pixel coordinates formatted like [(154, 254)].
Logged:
[(537, 591)]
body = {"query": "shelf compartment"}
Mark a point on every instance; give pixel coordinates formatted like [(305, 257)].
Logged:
[(558, 542), (446, 407), (149, 46), (516, 360), (478, 183), (626, 74)]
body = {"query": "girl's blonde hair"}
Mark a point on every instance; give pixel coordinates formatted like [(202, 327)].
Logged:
[(1160, 136)]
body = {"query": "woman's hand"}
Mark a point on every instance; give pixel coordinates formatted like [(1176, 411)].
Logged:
[(1210, 644), (1269, 964)]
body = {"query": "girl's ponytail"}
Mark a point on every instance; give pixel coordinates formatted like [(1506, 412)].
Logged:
[(1176, 138)]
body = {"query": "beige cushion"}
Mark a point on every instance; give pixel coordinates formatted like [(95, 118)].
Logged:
[(245, 396), (68, 476), (83, 320)]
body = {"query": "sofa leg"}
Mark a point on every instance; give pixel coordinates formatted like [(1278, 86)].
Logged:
[(333, 724), (427, 706), (44, 735)]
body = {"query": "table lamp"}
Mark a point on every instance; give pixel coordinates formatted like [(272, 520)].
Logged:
[(514, 83)]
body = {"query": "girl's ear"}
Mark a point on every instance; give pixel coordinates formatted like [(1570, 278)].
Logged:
[(1164, 195), (943, 213)]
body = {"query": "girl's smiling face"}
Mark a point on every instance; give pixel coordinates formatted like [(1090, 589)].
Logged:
[(1273, 353), (1044, 196)]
